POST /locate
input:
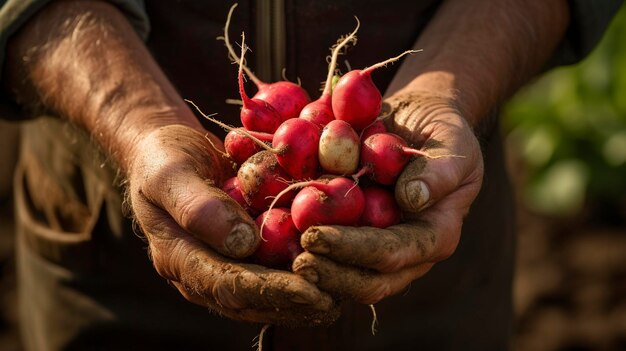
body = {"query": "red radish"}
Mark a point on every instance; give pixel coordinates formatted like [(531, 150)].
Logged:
[(261, 178), (384, 156), (381, 209), (281, 239), (233, 189), (285, 97), (256, 115), (336, 201), (295, 144), (339, 148), (377, 127), (240, 147), (356, 99), (320, 111)]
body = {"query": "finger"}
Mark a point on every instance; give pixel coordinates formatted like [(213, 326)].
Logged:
[(384, 250), (179, 257), (175, 172), (454, 162), (210, 215), (324, 313), (364, 286)]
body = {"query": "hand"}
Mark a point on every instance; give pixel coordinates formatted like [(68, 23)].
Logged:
[(194, 230), (369, 264)]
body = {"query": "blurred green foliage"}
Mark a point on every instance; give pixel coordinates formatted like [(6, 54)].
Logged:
[(570, 129)]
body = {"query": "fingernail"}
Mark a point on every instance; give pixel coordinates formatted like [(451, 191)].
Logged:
[(240, 241), (418, 191)]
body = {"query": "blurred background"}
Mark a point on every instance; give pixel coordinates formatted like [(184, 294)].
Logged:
[(566, 142)]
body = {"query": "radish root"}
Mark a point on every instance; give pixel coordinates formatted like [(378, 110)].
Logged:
[(259, 338), (231, 51), (388, 61), (374, 319)]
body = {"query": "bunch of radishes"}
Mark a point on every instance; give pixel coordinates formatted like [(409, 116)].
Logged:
[(299, 161)]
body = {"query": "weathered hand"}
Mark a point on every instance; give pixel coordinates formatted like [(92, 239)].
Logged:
[(369, 264), (194, 231)]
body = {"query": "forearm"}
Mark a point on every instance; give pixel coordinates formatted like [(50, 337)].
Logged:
[(478, 52), (83, 61)]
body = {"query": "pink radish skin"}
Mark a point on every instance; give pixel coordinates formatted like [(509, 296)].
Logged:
[(339, 148), (233, 189), (281, 239), (356, 99), (295, 143), (320, 111), (261, 178), (285, 97), (384, 156), (335, 202), (240, 147), (377, 127), (381, 209)]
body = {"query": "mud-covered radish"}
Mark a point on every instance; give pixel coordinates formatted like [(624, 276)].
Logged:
[(285, 97), (356, 99), (339, 148), (261, 178), (320, 111), (381, 209), (240, 147), (256, 115), (281, 239)]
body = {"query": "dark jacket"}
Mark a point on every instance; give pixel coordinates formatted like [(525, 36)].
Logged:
[(85, 278)]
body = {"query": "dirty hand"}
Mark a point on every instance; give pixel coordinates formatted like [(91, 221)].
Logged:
[(435, 194), (196, 233)]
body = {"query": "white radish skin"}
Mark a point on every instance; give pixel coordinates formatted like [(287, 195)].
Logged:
[(339, 148)]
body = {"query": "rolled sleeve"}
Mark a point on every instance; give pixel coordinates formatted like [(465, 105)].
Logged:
[(589, 19)]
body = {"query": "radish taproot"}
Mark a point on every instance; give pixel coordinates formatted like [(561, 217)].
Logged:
[(320, 111), (356, 99), (285, 97), (281, 239), (339, 148), (381, 209)]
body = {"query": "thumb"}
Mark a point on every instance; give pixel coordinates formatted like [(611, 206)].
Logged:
[(424, 181), (213, 217)]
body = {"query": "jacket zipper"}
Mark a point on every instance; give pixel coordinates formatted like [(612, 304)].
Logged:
[(270, 30)]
